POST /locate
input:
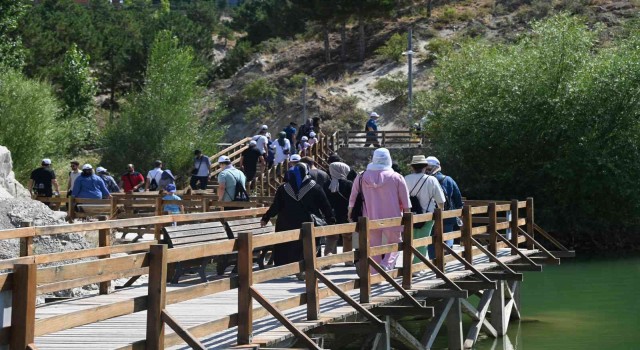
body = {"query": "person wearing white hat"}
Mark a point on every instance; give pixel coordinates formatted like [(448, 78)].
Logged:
[(249, 163), (43, 180), (452, 195), (89, 185), (372, 130), (425, 192), (312, 139), (385, 196), (111, 184), (303, 147), (262, 141), (228, 178)]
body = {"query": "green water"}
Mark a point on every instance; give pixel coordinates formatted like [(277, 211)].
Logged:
[(581, 304)]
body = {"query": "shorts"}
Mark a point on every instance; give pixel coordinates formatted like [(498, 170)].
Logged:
[(250, 175)]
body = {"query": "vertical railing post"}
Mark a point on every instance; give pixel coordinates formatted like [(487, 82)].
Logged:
[(466, 233), (104, 240), (384, 138), (23, 306), (156, 299), (438, 239), (363, 269), (157, 228), (514, 225), (26, 243), (407, 254), (530, 229), (205, 204), (113, 211), (346, 139), (311, 282), (491, 227), (245, 280), (71, 208)]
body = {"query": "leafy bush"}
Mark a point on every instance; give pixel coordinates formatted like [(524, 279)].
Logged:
[(235, 59), (394, 86), (297, 80), (438, 47), (256, 113), (394, 47), (78, 91), (162, 120), (29, 124), (553, 117), (260, 90), (342, 114), (449, 14)]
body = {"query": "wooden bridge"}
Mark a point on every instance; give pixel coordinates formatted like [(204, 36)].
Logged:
[(331, 308)]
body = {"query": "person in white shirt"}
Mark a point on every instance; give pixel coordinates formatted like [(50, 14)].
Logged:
[(283, 148), (303, 146), (312, 138), (73, 175), (154, 176), (429, 193), (261, 140)]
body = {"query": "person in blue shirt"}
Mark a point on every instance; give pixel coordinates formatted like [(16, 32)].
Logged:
[(371, 128), (452, 194), (290, 132), (89, 185), (171, 196)]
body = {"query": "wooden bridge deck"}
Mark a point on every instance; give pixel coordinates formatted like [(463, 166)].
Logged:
[(121, 331)]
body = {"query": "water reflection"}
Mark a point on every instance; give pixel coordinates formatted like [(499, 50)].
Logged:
[(505, 343)]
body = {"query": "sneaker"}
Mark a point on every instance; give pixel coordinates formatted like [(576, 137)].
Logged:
[(419, 273), (300, 276)]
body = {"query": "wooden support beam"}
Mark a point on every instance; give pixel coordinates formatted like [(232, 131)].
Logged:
[(491, 228), (477, 285), (311, 282), (503, 276), (514, 288), (550, 238), (363, 268), (492, 256), (403, 311), (467, 224), (245, 281), (283, 319), (545, 260), (438, 233), (342, 294), (435, 270), (401, 335), (541, 248), (192, 341), (563, 254), (157, 228), (393, 283), (529, 221), (478, 315), (157, 291), (454, 325), (515, 229), (468, 265), (525, 267), (442, 293), (354, 328), (517, 251), (23, 306), (498, 319), (407, 255), (433, 327), (104, 240)]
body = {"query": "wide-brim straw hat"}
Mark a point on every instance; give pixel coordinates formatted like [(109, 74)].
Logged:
[(418, 160)]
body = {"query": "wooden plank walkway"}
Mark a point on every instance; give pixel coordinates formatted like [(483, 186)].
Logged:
[(121, 331)]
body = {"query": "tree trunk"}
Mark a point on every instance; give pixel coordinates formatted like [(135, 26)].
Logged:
[(343, 41), (361, 48), (428, 8), (327, 48)]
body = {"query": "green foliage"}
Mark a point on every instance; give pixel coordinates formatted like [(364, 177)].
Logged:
[(394, 47), (11, 49), (296, 81), (78, 91), (264, 19), (235, 58), (28, 122), (256, 112), (553, 117), (342, 114), (260, 90), (394, 86), (162, 121), (438, 47), (449, 14)]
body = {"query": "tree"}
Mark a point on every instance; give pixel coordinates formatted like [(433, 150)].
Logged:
[(264, 19), (11, 48), (324, 12), (78, 91), (162, 121), (366, 10), (553, 116), (29, 124)]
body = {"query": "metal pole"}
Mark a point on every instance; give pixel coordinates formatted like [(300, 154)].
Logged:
[(304, 103), (410, 73)]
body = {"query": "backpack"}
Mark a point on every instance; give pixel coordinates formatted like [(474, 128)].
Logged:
[(165, 179), (416, 207), (240, 194), (153, 185)]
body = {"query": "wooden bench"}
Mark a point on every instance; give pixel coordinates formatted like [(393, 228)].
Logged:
[(176, 236), (235, 227)]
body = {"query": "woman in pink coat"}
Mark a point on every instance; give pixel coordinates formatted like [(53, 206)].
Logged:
[(385, 196)]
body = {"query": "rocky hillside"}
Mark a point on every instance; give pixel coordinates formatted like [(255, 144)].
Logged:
[(341, 92)]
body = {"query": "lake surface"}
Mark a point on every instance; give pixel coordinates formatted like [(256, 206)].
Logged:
[(581, 304)]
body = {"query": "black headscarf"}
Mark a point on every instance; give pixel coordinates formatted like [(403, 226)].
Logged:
[(297, 176)]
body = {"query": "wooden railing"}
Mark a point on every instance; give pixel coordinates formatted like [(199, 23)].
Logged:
[(392, 139), (154, 259)]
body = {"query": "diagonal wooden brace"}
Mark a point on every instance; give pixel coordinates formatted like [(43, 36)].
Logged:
[(435, 270), (393, 282), (466, 264)]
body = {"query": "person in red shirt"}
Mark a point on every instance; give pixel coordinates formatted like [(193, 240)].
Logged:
[(132, 180)]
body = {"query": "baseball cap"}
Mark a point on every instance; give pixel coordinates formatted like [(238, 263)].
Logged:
[(252, 143), (433, 161), (101, 170), (374, 114), (87, 167), (224, 159), (312, 134), (46, 161), (304, 138), (170, 188), (295, 158), (264, 127)]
